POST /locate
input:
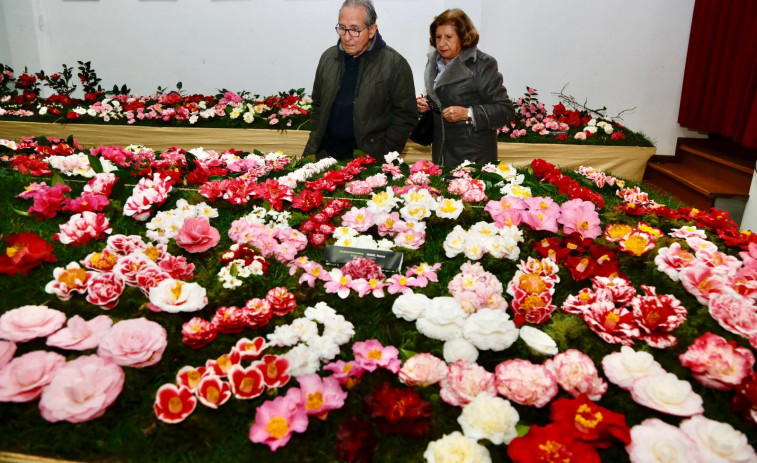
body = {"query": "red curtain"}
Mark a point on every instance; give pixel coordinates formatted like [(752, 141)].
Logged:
[(720, 81)]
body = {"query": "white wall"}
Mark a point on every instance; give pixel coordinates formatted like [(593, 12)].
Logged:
[(614, 53)]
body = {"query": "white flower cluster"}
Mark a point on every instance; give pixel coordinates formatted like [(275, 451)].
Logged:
[(482, 238), (506, 171), (272, 218), (444, 319), (166, 224), (78, 164), (350, 238), (594, 125), (231, 274), (305, 172), (309, 348)]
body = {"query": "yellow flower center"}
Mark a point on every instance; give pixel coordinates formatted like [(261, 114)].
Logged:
[(103, 261), (531, 283), (277, 427), (212, 394), (152, 252), (247, 384), (315, 401), (586, 419), (374, 354), (271, 370), (347, 368), (224, 362), (619, 230), (175, 405), (193, 378), (583, 226), (636, 245), (176, 291), (532, 302), (71, 276), (12, 250)]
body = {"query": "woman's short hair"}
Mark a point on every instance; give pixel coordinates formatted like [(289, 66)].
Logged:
[(462, 24)]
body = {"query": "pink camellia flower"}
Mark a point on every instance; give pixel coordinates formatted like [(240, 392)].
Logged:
[(129, 266), (23, 379), (319, 395), (30, 321), (83, 227), (734, 313), (667, 394), (213, 391), (101, 261), (174, 403), (176, 296), (702, 282), (575, 372), (104, 289), (371, 354), (87, 202), (48, 200), (579, 216), (541, 213), (525, 383), (7, 350), (671, 260), (347, 373), (123, 245), (338, 283), (423, 370), (198, 332), (464, 382), (277, 419), (80, 334), (81, 390), (137, 342), (197, 235), (101, 184), (246, 383), (178, 267), (637, 242), (358, 218), (506, 212), (717, 363), (655, 441)]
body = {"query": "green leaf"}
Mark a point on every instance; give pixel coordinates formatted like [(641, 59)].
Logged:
[(95, 163), (522, 429), (406, 353), (191, 159), (259, 153), (178, 85), (23, 213), (57, 178)]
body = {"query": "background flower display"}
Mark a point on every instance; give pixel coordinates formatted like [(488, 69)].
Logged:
[(535, 309)]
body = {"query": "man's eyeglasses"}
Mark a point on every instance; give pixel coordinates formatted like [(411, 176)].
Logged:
[(341, 30)]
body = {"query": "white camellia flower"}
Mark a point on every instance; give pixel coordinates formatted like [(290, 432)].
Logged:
[(668, 394), (456, 448), (622, 368), (248, 117), (490, 329), (489, 417), (454, 243), (175, 296), (324, 347), (283, 335), (410, 306), (344, 232), (302, 360), (655, 441), (338, 329), (538, 341), (383, 201), (718, 442), (459, 349), (442, 320), (449, 208), (306, 329), (320, 313)]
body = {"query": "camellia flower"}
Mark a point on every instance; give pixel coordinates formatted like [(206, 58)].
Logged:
[(83, 227), (624, 367), (197, 333), (656, 316), (274, 369), (489, 417), (490, 329), (463, 448), (67, 280), (579, 216), (347, 373), (734, 313), (371, 354), (423, 370), (355, 440), (654, 441), (246, 383), (717, 441), (24, 377), (637, 243), (464, 382), (319, 395), (30, 321), (137, 342), (213, 391), (717, 363), (576, 374), (251, 349), (7, 351), (538, 341), (81, 390), (525, 383), (668, 394), (197, 235), (175, 296), (174, 403), (24, 252), (443, 319), (593, 424), (80, 334), (553, 442), (104, 289), (399, 411), (277, 419)]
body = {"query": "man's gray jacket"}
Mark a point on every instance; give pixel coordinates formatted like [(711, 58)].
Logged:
[(385, 110)]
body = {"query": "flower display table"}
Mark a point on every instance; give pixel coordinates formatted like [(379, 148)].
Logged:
[(623, 161)]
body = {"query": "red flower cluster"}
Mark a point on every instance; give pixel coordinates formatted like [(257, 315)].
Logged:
[(571, 117), (571, 251), (333, 179), (197, 333), (317, 227), (24, 252), (355, 441), (547, 172)]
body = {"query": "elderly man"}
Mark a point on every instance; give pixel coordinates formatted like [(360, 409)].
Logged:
[(363, 94)]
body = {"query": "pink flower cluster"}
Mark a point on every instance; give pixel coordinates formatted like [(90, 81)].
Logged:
[(532, 288), (612, 309), (256, 313), (469, 188), (542, 213), (148, 195), (717, 363), (365, 187), (283, 243), (49, 200), (600, 178), (126, 260), (723, 283), (474, 288), (83, 227), (408, 234)]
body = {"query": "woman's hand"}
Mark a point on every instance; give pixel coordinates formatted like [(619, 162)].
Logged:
[(422, 104), (455, 113)]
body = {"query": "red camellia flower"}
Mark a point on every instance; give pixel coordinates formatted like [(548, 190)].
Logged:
[(258, 313), (213, 392), (745, 400), (174, 403), (24, 252), (281, 300), (399, 411), (355, 441), (308, 200), (246, 383), (552, 443), (31, 166), (593, 424), (197, 333), (274, 370), (229, 320)]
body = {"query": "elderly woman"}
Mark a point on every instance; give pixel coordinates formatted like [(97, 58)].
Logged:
[(464, 92)]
